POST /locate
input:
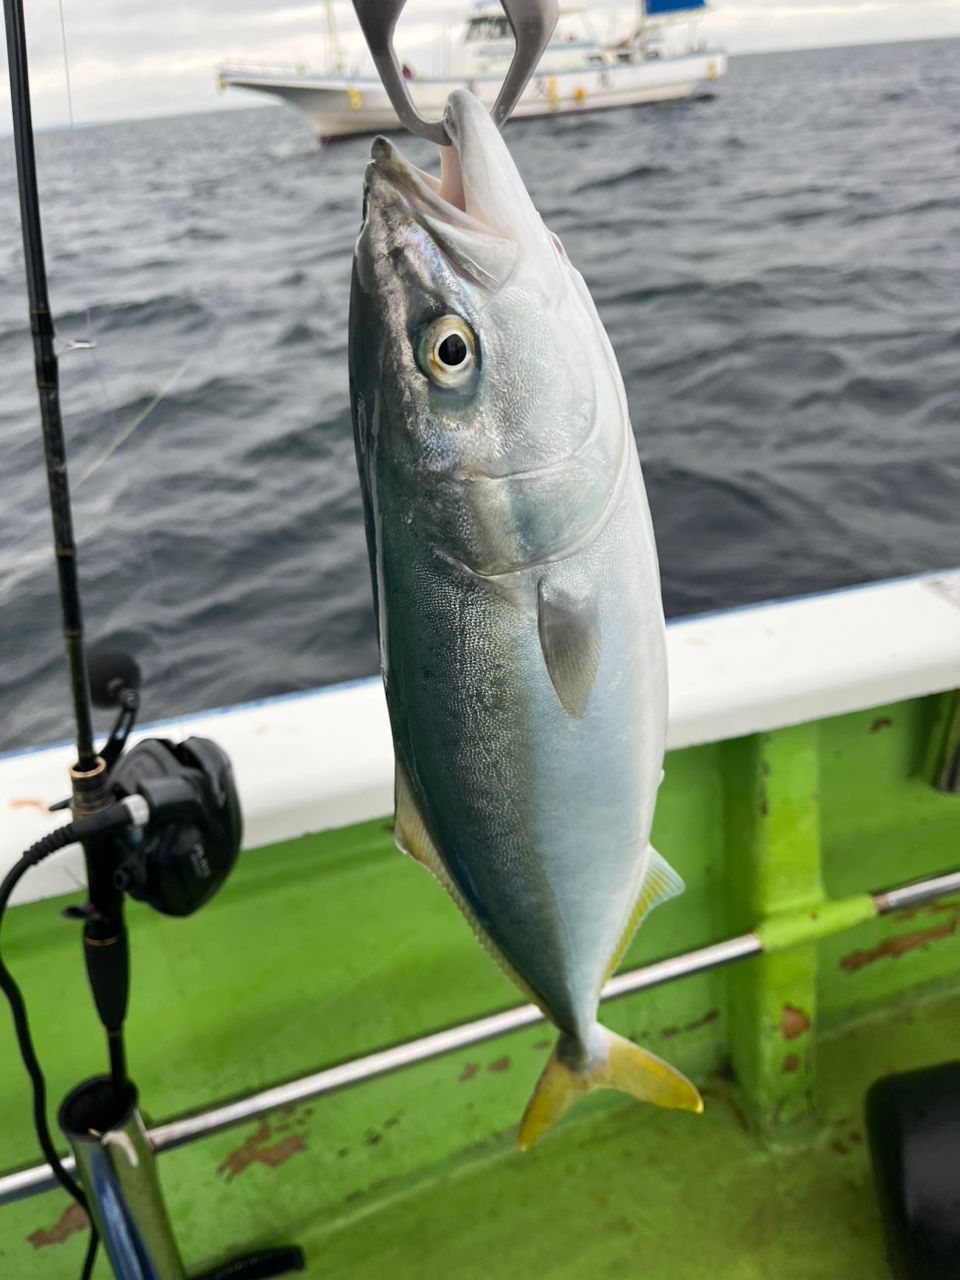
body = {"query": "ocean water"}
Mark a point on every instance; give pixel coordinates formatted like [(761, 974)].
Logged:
[(778, 269)]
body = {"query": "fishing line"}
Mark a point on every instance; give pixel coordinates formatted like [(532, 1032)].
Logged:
[(120, 433), (126, 432), (90, 342)]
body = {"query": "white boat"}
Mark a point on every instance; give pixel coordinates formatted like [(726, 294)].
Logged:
[(578, 72)]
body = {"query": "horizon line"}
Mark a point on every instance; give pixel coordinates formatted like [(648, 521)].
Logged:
[(104, 121)]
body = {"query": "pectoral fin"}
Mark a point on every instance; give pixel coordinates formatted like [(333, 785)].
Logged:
[(570, 641)]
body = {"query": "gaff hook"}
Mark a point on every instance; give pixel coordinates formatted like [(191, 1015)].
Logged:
[(532, 21)]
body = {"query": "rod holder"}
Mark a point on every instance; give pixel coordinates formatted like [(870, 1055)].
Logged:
[(943, 754), (118, 1171)]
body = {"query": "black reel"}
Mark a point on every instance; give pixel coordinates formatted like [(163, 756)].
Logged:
[(176, 864), (179, 866)]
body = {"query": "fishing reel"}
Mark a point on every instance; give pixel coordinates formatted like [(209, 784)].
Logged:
[(179, 859)]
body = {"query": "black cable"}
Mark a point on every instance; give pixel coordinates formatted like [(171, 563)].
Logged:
[(91, 1255), (260, 1266), (116, 816), (58, 839)]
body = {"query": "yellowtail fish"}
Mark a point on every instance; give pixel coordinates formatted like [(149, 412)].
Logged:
[(517, 590)]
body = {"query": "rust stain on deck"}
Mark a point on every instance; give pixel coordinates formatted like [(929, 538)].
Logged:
[(935, 908), (790, 1064), (669, 1032), (29, 802), (723, 1094), (882, 722), (705, 1021), (468, 1072), (258, 1149), (793, 1022), (499, 1064), (72, 1220), (897, 946)]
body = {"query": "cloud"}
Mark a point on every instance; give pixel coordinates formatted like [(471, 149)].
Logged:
[(152, 60)]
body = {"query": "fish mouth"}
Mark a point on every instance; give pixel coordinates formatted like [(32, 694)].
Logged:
[(429, 199), (463, 198)]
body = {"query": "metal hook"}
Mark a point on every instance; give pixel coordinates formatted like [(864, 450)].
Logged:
[(532, 22)]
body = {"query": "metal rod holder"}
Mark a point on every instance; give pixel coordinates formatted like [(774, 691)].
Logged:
[(175, 1133), (118, 1170), (943, 760)]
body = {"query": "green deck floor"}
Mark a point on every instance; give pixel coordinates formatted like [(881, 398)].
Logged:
[(332, 946), (628, 1191), (639, 1193)]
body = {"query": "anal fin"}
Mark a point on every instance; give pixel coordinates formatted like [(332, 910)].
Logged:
[(660, 883), (409, 829), (413, 838)]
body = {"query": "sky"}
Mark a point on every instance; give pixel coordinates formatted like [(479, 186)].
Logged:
[(133, 60)]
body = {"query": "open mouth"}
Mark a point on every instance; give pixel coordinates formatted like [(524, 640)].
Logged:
[(449, 199)]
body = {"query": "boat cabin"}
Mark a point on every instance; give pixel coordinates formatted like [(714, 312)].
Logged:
[(487, 42)]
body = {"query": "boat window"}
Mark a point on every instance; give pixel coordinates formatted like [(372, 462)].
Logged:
[(489, 29)]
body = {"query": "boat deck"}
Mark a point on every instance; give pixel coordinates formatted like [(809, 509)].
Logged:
[(803, 736), (630, 1192), (327, 947)]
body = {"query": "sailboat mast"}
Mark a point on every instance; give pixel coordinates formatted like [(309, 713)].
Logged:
[(334, 53)]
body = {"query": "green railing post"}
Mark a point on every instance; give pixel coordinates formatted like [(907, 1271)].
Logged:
[(773, 867)]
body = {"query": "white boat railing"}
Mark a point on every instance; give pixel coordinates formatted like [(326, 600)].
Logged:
[(311, 761)]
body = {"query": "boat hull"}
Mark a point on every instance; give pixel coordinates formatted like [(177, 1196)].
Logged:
[(339, 107), (792, 786)]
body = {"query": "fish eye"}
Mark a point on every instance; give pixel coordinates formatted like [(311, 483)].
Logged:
[(448, 351)]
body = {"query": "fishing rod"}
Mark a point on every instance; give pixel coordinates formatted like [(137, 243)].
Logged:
[(48, 388), (104, 932), (161, 823)]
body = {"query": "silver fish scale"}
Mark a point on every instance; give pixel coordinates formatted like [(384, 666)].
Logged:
[(517, 589)]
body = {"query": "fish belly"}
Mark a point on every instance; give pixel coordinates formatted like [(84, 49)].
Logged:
[(541, 818)]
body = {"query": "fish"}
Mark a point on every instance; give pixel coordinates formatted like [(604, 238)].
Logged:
[(516, 590)]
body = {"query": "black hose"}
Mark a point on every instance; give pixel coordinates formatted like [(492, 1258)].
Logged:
[(58, 839), (260, 1266), (91, 1254)]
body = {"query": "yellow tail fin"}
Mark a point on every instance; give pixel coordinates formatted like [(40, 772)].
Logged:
[(608, 1062)]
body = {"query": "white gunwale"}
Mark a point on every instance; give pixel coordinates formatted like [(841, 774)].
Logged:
[(311, 761)]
